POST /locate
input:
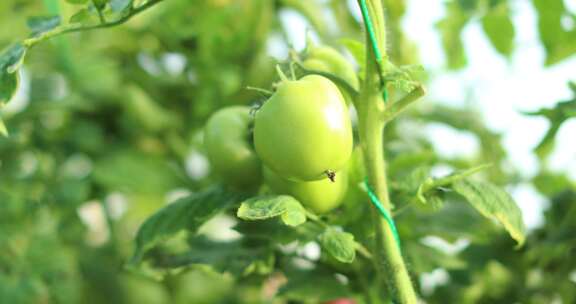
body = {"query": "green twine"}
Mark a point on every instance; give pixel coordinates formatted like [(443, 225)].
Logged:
[(372, 37), (370, 29), (385, 95), (387, 216)]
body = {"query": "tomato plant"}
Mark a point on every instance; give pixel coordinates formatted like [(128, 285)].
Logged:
[(187, 151)]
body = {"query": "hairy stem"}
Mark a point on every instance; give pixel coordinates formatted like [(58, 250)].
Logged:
[(371, 112)]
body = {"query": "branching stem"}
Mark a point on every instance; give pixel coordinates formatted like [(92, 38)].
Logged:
[(372, 118), (77, 27)]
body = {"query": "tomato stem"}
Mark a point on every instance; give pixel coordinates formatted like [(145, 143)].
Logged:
[(370, 106)]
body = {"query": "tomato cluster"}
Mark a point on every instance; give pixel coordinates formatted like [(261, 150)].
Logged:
[(299, 141)]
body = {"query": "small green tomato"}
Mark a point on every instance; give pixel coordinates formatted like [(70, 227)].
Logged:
[(227, 138), (329, 60)]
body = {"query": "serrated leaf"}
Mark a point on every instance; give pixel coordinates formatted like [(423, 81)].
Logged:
[(293, 217), (264, 207), (499, 28), (429, 187), (402, 77), (41, 24), (188, 213), (493, 202), (339, 244)]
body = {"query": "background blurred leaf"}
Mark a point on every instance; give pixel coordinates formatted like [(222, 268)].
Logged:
[(265, 207), (493, 202), (560, 43), (41, 24), (120, 5), (556, 116), (10, 61), (451, 27), (188, 213), (499, 28), (325, 286)]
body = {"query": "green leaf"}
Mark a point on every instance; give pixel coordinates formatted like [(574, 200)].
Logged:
[(402, 77), (428, 186), (120, 5), (493, 202), (558, 42), (264, 207), (339, 244), (556, 116), (451, 29), (135, 172), (188, 213), (499, 28), (41, 24), (274, 230), (239, 258), (313, 286), (82, 16), (10, 61)]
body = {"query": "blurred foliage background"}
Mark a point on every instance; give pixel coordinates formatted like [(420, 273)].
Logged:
[(106, 128)]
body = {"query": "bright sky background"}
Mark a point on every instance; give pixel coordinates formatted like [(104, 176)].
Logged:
[(499, 87)]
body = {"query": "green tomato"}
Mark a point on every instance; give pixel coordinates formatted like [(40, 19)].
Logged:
[(319, 196), (304, 129), (329, 60), (230, 152)]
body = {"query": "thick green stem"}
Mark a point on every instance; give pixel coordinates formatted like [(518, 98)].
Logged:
[(371, 108)]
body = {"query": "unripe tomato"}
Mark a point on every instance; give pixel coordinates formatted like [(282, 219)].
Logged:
[(304, 129), (230, 152), (327, 59), (319, 196)]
